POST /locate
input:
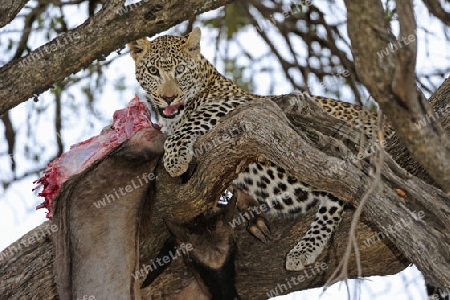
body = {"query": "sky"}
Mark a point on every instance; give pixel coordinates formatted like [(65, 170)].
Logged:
[(17, 213)]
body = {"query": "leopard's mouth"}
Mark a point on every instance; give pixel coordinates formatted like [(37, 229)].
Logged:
[(170, 111)]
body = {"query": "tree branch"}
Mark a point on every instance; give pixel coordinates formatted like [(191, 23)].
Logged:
[(404, 79), (100, 35), (9, 10), (438, 11), (389, 80)]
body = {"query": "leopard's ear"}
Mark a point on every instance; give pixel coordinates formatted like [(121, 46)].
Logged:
[(192, 46), (139, 48)]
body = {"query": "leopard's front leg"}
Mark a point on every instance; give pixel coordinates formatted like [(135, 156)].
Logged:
[(178, 152), (179, 147)]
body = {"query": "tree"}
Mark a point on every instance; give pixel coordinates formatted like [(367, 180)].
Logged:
[(302, 130)]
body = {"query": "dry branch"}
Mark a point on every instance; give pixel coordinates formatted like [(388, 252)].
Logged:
[(388, 77)]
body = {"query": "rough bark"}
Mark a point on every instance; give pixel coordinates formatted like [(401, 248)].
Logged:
[(9, 10), (390, 80), (304, 145), (100, 35)]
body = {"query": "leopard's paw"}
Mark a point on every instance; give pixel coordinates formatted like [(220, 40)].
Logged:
[(177, 163), (297, 260)]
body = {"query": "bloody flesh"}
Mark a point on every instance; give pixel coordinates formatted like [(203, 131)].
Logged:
[(126, 122)]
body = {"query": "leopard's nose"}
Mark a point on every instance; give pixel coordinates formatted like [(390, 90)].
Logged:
[(169, 99)]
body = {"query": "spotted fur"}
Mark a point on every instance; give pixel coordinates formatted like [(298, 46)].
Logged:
[(191, 96), (285, 195)]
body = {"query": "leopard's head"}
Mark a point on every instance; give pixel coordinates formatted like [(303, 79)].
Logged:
[(171, 70)]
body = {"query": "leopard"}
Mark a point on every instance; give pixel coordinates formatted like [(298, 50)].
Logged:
[(190, 96)]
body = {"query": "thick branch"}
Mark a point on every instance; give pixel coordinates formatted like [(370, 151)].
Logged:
[(269, 138), (387, 74), (9, 10), (101, 34), (404, 79)]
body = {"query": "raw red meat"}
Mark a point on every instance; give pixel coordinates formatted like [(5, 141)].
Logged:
[(126, 122)]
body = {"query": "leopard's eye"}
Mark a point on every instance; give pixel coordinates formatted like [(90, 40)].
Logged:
[(153, 70), (179, 69)]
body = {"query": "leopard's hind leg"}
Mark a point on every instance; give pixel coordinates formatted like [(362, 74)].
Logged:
[(328, 217)]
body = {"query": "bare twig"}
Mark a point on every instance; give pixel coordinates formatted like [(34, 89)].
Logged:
[(438, 11)]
